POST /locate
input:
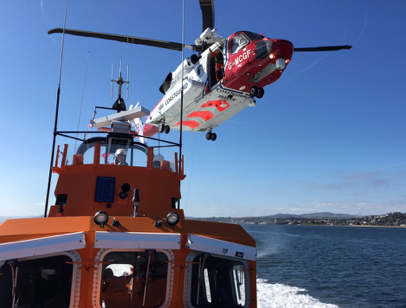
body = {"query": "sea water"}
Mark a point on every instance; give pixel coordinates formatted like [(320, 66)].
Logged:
[(323, 266)]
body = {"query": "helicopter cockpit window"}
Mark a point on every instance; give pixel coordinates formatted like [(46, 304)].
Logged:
[(238, 42), (134, 279), (253, 36)]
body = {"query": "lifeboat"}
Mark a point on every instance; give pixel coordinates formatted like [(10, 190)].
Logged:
[(117, 236)]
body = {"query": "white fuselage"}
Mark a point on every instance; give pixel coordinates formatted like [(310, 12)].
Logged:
[(204, 107)]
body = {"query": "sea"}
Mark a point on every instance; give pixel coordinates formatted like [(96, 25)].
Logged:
[(326, 266)]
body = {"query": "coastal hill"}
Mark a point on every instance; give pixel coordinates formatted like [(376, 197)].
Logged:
[(395, 219), (322, 215)]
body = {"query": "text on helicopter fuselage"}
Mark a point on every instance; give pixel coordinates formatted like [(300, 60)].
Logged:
[(241, 58), (173, 96)]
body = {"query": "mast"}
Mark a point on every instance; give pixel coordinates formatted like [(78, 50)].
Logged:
[(58, 94)]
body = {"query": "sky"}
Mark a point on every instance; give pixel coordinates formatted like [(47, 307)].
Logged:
[(329, 135)]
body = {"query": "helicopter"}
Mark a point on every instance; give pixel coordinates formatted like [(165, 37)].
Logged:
[(222, 77)]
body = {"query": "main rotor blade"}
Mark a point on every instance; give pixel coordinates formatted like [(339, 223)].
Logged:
[(322, 48), (125, 39), (207, 8)]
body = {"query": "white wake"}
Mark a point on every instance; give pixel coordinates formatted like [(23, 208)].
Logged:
[(283, 296)]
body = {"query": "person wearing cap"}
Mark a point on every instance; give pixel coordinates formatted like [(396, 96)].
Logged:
[(120, 157)]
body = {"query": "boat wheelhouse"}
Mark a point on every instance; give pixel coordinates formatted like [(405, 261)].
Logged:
[(116, 235)]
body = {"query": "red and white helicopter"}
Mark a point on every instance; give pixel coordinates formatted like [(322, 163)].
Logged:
[(219, 81)]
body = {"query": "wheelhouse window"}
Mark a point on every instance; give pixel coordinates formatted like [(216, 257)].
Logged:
[(6, 285), (218, 282), (44, 282), (134, 279), (131, 154)]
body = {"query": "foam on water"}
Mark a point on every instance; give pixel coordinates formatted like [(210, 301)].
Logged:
[(283, 296)]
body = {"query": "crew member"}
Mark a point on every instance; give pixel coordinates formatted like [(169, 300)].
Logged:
[(219, 65), (120, 157)]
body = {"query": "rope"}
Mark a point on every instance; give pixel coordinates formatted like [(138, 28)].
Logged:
[(81, 100)]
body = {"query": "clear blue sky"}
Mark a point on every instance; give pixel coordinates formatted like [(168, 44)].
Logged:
[(328, 136)]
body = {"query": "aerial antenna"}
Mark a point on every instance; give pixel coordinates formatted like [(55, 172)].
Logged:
[(119, 104), (81, 100), (56, 111), (112, 76), (128, 82), (181, 92)]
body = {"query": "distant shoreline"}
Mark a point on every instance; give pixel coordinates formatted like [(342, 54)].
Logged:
[(351, 226)]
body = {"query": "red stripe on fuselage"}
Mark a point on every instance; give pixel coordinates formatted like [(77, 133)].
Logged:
[(150, 130), (204, 115), (191, 124), (221, 105)]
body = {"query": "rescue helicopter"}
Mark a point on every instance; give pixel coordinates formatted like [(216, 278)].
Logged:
[(220, 79)]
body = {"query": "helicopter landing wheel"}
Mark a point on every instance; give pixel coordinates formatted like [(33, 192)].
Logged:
[(253, 91), (260, 93), (211, 136), (161, 127)]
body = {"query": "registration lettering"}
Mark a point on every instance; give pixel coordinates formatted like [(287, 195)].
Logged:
[(239, 59)]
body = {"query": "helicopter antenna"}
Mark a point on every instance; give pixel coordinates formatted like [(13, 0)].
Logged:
[(56, 111)]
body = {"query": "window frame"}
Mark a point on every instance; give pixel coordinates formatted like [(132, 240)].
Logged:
[(133, 158), (240, 36), (187, 299), (96, 291), (76, 272)]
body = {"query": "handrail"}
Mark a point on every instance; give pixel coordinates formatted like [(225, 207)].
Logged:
[(96, 159), (57, 157), (65, 152)]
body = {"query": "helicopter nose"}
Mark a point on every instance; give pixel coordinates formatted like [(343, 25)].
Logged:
[(264, 48), (281, 54)]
